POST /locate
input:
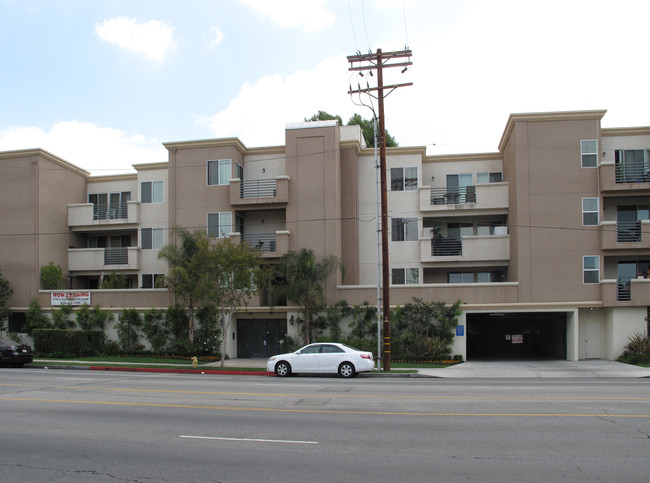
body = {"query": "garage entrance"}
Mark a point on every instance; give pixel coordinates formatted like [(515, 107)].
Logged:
[(259, 337), (516, 336)]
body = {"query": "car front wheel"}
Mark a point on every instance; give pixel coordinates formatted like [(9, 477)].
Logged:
[(346, 370), (283, 369)]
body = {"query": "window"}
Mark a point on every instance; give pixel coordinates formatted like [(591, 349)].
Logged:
[(460, 277), (403, 179), (589, 153), (220, 224), (591, 269), (151, 238), (590, 211), (219, 172), (632, 165), (151, 192), (489, 178), (153, 280), (404, 229), (406, 276)]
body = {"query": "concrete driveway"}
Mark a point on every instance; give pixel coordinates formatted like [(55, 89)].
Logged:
[(537, 369)]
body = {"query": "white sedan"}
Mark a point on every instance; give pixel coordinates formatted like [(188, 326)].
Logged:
[(323, 358)]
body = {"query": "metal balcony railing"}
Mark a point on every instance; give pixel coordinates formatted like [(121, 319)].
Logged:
[(446, 247), (628, 231), (453, 196), (116, 256), (623, 291), (632, 173), (113, 211), (258, 188), (264, 242)]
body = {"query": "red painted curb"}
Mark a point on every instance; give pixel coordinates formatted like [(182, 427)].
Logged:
[(182, 371)]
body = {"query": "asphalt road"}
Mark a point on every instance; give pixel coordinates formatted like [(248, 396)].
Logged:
[(67, 425)]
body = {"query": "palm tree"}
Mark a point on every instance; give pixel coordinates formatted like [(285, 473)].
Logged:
[(302, 281)]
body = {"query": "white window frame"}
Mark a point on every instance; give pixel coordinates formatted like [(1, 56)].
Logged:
[(404, 185), (586, 211), (223, 225), (588, 157), (411, 276), (157, 238), (153, 276), (222, 172), (157, 192), (410, 226), (586, 270), (489, 176)]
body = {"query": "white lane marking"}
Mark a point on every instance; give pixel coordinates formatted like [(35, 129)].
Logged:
[(256, 440)]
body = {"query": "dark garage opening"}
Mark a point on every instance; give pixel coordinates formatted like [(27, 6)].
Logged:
[(517, 336)]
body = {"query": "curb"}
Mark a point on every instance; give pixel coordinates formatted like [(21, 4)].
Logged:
[(227, 372)]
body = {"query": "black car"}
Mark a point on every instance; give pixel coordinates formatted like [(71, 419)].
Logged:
[(15, 354)]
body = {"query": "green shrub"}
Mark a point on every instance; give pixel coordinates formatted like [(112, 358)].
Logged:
[(70, 343), (128, 330), (52, 276)]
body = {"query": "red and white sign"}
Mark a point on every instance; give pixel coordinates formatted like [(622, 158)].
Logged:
[(79, 297), (517, 338)]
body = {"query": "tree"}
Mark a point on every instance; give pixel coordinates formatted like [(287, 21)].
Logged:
[(302, 281), (369, 131), (189, 275), (238, 274), (366, 127), (324, 116), (5, 293), (52, 276), (128, 330), (35, 318)]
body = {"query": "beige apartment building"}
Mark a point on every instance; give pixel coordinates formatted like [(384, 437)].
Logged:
[(546, 242)]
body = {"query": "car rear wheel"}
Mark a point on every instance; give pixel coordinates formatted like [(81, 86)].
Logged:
[(283, 369), (346, 369)]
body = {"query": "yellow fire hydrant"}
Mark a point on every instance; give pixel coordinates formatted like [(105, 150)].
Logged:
[(195, 362)]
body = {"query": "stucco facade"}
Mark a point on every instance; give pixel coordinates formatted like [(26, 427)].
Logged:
[(540, 241)]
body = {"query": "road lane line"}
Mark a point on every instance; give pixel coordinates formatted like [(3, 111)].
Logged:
[(256, 440), (322, 411)]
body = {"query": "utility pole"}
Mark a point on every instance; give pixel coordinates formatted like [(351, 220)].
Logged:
[(371, 62)]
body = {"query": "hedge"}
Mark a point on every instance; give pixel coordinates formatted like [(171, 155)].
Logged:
[(73, 343)]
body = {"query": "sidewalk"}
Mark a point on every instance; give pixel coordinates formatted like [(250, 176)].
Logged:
[(466, 370), (538, 369)]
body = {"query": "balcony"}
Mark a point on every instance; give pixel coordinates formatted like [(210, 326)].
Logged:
[(487, 248), (490, 198), (270, 245), (257, 192), (635, 292), (103, 259), (624, 179), (88, 215), (625, 235)]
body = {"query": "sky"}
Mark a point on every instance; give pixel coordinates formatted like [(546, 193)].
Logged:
[(103, 83)]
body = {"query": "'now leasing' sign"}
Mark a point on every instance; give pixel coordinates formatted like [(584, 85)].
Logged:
[(71, 298)]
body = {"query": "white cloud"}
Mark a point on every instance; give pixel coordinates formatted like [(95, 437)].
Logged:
[(154, 39), (310, 15), (100, 150), (261, 110), (217, 37)]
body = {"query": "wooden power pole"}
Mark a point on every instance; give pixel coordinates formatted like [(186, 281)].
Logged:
[(378, 62)]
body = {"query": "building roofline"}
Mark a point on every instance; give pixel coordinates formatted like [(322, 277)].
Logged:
[(207, 143), (547, 116), (148, 166), (113, 177), (626, 131), (403, 151), (463, 157), (47, 155)]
